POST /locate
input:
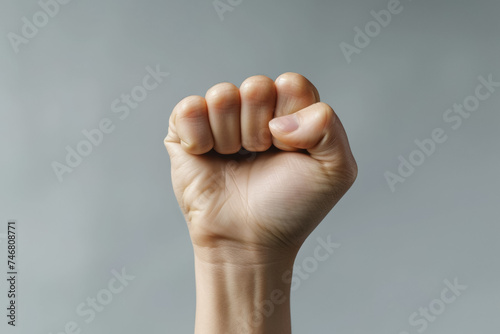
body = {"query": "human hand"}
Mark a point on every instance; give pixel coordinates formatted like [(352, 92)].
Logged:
[(274, 200)]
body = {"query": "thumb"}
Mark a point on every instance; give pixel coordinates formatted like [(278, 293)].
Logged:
[(318, 130)]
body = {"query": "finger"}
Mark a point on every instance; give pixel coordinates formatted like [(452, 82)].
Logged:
[(189, 126), (318, 130), (258, 101), (223, 101), (294, 92)]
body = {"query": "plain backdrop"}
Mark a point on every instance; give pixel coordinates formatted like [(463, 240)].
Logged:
[(116, 209)]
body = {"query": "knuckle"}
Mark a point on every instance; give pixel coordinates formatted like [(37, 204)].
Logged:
[(291, 77), (222, 95), (258, 88), (294, 83), (189, 107), (325, 108), (326, 113)]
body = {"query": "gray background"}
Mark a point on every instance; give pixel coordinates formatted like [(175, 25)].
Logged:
[(117, 208)]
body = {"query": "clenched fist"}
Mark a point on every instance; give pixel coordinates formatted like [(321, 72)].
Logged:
[(249, 211), (269, 200)]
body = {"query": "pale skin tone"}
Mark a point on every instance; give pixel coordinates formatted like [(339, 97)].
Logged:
[(248, 214)]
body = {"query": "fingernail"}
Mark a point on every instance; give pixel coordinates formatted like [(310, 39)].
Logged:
[(285, 124)]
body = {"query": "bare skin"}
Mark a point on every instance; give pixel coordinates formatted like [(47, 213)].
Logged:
[(248, 214)]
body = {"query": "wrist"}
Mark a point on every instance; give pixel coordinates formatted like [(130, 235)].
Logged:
[(245, 286)]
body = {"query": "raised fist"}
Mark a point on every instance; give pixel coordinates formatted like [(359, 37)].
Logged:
[(255, 169)]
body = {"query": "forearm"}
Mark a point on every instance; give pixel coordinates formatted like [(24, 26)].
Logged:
[(242, 296)]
